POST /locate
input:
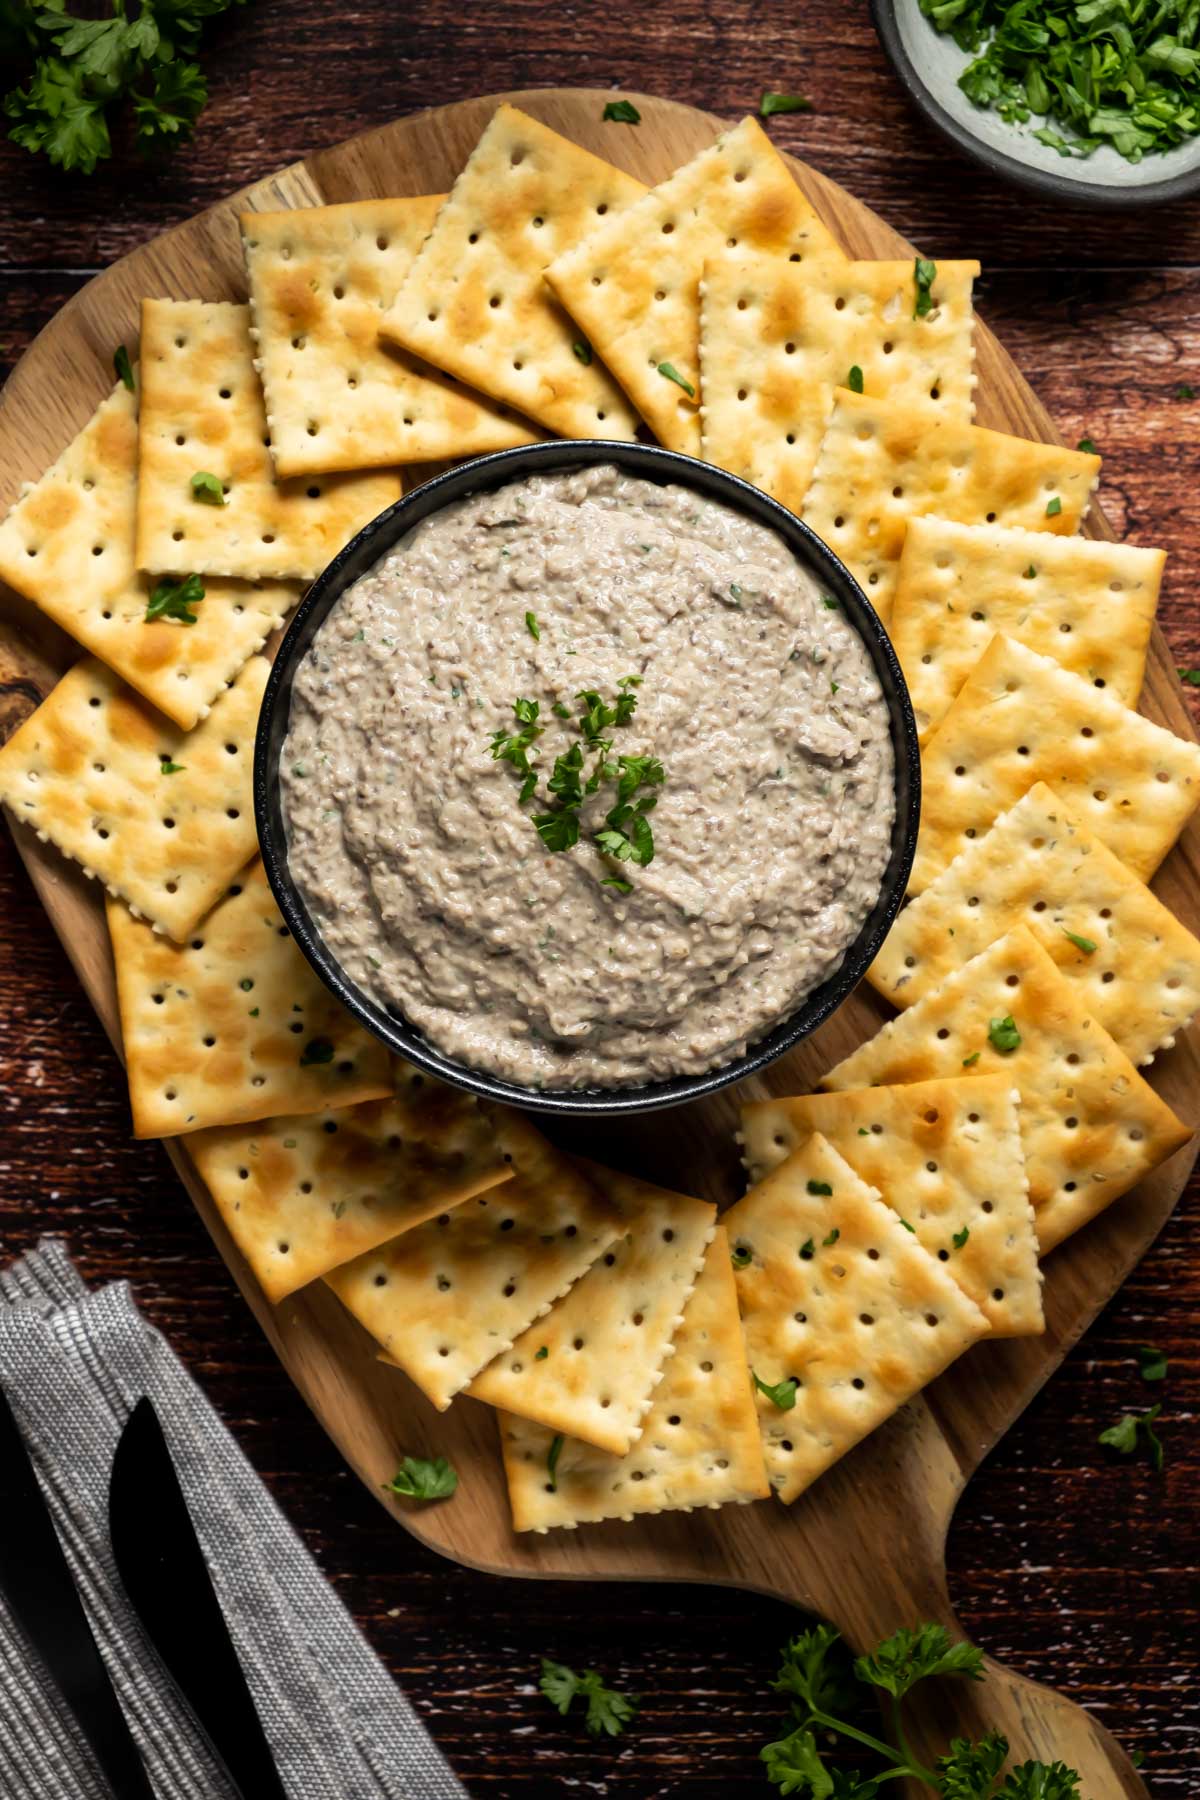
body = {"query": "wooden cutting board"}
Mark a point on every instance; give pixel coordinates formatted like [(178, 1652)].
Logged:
[(865, 1548)]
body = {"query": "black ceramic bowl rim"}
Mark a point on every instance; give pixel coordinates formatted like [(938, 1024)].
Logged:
[(380, 536), (1099, 194)]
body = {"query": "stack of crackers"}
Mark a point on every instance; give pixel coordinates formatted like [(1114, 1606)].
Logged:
[(640, 1355)]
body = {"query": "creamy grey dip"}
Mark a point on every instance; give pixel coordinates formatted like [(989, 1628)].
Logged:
[(426, 876)]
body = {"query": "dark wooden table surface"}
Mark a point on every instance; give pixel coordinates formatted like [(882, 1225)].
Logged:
[(1079, 1571)]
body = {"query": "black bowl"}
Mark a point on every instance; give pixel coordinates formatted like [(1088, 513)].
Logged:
[(372, 543)]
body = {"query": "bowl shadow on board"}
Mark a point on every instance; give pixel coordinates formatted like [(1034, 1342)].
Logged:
[(928, 64), (380, 536)]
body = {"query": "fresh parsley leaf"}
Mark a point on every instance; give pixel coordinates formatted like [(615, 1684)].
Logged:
[(1125, 1435), (1152, 1364), (783, 103), (833, 1237), (167, 767), (969, 1771), (960, 1237), (558, 830), (924, 276), (782, 1394), (552, 1456), (417, 1478), (583, 351), (807, 1250), (741, 1256), (1087, 446), (532, 627), (1184, 391), (818, 1187), (968, 1061), (1081, 943), (624, 112), (208, 488), (615, 882), (1053, 507), (829, 603), (1190, 676), (1031, 572), (542, 1354), (672, 374), (317, 1050), (560, 711), (1003, 1034), (909, 1227), (794, 1765), (607, 1711), (854, 381), (122, 367), (1039, 1781), (907, 1657), (173, 600)]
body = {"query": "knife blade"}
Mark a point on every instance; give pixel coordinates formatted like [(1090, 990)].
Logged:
[(37, 1583), (163, 1571)]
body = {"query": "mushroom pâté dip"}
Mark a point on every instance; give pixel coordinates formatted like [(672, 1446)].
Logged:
[(589, 780)]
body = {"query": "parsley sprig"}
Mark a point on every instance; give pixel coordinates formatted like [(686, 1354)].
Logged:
[(175, 599), (607, 1711), (423, 1478), (816, 1677)]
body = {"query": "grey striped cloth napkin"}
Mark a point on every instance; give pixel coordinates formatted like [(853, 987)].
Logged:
[(73, 1363)]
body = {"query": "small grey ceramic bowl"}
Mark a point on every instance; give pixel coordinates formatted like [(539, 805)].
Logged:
[(929, 64), (380, 536)]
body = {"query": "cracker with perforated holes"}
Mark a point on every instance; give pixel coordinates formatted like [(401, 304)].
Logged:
[(699, 1446), (449, 1297), (68, 546), (474, 302), (88, 771), (882, 463), (777, 337), (1087, 604), (1020, 718), (843, 1309), (233, 1025), (947, 1156), (1133, 965), (1090, 1125), (590, 1367), (321, 277), (302, 1194), (202, 413), (633, 282)]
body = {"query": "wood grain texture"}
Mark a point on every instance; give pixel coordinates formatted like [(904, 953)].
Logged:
[(633, 1778)]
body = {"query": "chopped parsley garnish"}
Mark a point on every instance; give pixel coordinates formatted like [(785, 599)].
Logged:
[(208, 488), (819, 1187), (833, 1237), (1184, 390), (607, 1711), (807, 1250), (560, 711), (783, 103), (173, 599), (1031, 572), (542, 1354), (122, 367), (1003, 1034), (672, 374), (552, 1456), (909, 1227), (1087, 446), (960, 1237), (167, 767), (854, 381), (1081, 943), (1191, 676), (583, 351), (418, 1478), (967, 1061), (1152, 1363), (615, 881), (740, 1256), (924, 276), (624, 112), (1053, 507), (532, 627), (1128, 1432), (558, 830), (829, 603), (318, 1050), (782, 1395)]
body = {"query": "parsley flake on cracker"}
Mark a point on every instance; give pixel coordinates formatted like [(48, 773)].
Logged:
[(1090, 1125), (474, 302), (86, 772), (233, 1025), (1086, 603), (202, 408), (1020, 718), (1133, 964), (882, 463), (302, 1194), (856, 1326), (633, 282), (589, 1368), (947, 1156), (778, 337), (336, 396), (446, 1299), (699, 1445), (68, 546)]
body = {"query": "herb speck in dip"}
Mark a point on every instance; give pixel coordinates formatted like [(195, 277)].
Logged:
[(415, 846)]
